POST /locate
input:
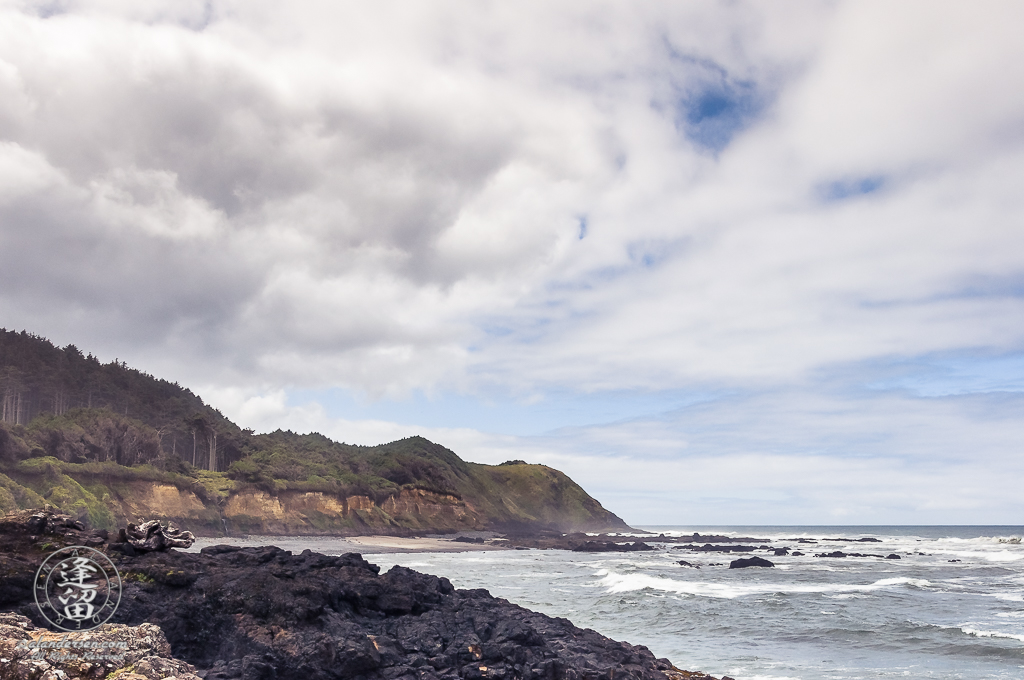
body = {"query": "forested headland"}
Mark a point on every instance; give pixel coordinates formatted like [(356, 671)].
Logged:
[(108, 443)]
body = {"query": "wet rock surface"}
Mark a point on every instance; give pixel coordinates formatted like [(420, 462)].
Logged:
[(707, 547), (745, 562), (266, 614), (610, 546)]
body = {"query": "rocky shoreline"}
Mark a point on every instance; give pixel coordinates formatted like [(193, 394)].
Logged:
[(266, 614)]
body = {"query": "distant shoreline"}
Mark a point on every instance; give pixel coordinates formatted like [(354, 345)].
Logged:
[(368, 545)]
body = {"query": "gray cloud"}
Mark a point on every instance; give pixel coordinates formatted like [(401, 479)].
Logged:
[(388, 199)]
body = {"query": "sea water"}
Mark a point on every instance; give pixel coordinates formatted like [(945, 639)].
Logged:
[(951, 608)]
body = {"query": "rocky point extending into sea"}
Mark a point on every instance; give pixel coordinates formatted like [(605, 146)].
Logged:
[(266, 614)]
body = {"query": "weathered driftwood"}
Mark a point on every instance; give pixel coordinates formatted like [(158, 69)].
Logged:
[(151, 537)]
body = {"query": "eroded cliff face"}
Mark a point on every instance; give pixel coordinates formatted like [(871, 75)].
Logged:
[(253, 511), (316, 512), (505, 498), (147, 499)]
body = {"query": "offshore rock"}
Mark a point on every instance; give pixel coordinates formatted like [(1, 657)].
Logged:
[(745, 562), (266, 614), (707, 547), (610, 546)]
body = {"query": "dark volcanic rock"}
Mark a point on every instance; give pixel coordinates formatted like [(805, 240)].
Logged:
[(265, 614), (745, 562), (715, 538), (707, 547), (609, 546), (26, 537), (892, 556)]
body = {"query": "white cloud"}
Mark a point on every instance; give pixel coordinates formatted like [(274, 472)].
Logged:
[(515, 199)]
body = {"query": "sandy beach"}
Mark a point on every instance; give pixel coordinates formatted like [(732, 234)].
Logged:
[(367, 545)]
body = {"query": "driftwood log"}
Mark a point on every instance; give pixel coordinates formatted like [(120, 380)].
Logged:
[(152, 537)]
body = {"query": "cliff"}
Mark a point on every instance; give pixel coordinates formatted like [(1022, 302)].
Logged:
[(110, 444)]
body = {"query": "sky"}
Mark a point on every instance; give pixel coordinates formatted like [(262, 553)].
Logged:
[(720, 262)]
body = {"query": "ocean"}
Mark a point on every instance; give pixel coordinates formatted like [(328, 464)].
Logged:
[(951, 608)]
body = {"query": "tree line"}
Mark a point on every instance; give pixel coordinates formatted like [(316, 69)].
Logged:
[(53, 392)]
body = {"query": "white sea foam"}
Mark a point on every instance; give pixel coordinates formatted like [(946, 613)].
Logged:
[(623, 583), (974, 632)]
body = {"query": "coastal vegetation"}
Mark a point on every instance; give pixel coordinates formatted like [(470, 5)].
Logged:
[(109, 443)]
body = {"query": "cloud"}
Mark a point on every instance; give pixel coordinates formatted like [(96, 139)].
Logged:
[(520, 202), (791, 457)]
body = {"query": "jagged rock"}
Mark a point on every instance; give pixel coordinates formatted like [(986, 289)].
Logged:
[(779, 552), (266, 614), (140, 652), (609, 546), (715, 538), (707, 547), (687, 564), (745, 562), (27, 526)]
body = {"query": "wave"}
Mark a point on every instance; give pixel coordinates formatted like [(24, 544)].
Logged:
[(974, 632), (624, 583)]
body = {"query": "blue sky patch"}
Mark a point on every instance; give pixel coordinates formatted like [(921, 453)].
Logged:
[(851, 188), (502, 414), (711, 114)]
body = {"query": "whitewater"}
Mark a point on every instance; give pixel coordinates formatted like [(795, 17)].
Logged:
[(952, 606)]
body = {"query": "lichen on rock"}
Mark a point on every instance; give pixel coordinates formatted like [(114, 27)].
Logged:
[(111, 651)]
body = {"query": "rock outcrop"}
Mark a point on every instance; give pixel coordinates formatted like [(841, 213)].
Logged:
[(745, 562), (610, 546), (266, 614), (112, 650)]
